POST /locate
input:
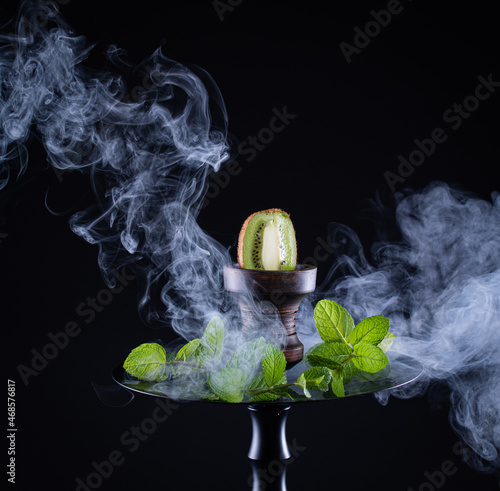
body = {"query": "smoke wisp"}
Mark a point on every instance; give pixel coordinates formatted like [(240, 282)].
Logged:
[(149, 161), (440, 287)]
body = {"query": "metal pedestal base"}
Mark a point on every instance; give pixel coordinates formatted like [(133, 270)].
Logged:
[(269, 450)]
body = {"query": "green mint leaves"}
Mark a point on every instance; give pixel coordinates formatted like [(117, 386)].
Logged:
[(248, 356), (348, 348), (314, 378), (228, 384), (212, 343), (148, 362), (206, 351), (256, 370), (369, 358), (333, 322), (329, 355), (371, 330), (273, 365)]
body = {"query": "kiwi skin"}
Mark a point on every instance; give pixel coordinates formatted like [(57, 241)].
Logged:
[(244, 228)]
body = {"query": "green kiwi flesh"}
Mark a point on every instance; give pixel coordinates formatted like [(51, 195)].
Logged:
[(268, 242)]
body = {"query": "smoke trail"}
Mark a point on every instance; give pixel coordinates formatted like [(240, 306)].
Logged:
[(149, 160), (440, 287)]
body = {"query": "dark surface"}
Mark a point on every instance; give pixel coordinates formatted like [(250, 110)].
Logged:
[(352, 121)]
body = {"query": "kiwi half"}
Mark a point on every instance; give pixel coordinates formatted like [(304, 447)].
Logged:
[(267, 241)]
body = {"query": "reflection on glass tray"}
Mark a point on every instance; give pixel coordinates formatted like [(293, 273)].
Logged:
[(401, 370)]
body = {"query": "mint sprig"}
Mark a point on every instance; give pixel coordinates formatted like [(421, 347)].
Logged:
[(333, 322), (369, 358), (348, 348), (314, 378), (148, 362), (273, 365), (228, 384), (371, 330), (248, 356), (256, 370)]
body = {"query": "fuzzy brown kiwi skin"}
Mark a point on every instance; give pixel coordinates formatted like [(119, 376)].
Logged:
[(244, 228)]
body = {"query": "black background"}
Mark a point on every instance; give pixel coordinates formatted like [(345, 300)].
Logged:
[(352, 121)]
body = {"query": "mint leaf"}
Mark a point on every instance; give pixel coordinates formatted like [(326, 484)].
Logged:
[(386, 343), (337, 382), (171, 367), (314, 378), (228, 384), (329, 355), (349, 371), (369, 358), (265, 396), (189, 352), (212, 342), (333, 322), (317, 378), (273, 364), (313, 347), (208, 349), (258, 383), (147, 362), (276, 393), (289, 393), (302, 383), (210, 397), (248, 356), (371, 330)]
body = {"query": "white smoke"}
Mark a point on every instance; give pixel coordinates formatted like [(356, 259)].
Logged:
[(149, 161), (440, 287)]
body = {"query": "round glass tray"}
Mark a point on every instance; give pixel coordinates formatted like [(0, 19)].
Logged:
[(268, 439), (401, 370)]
